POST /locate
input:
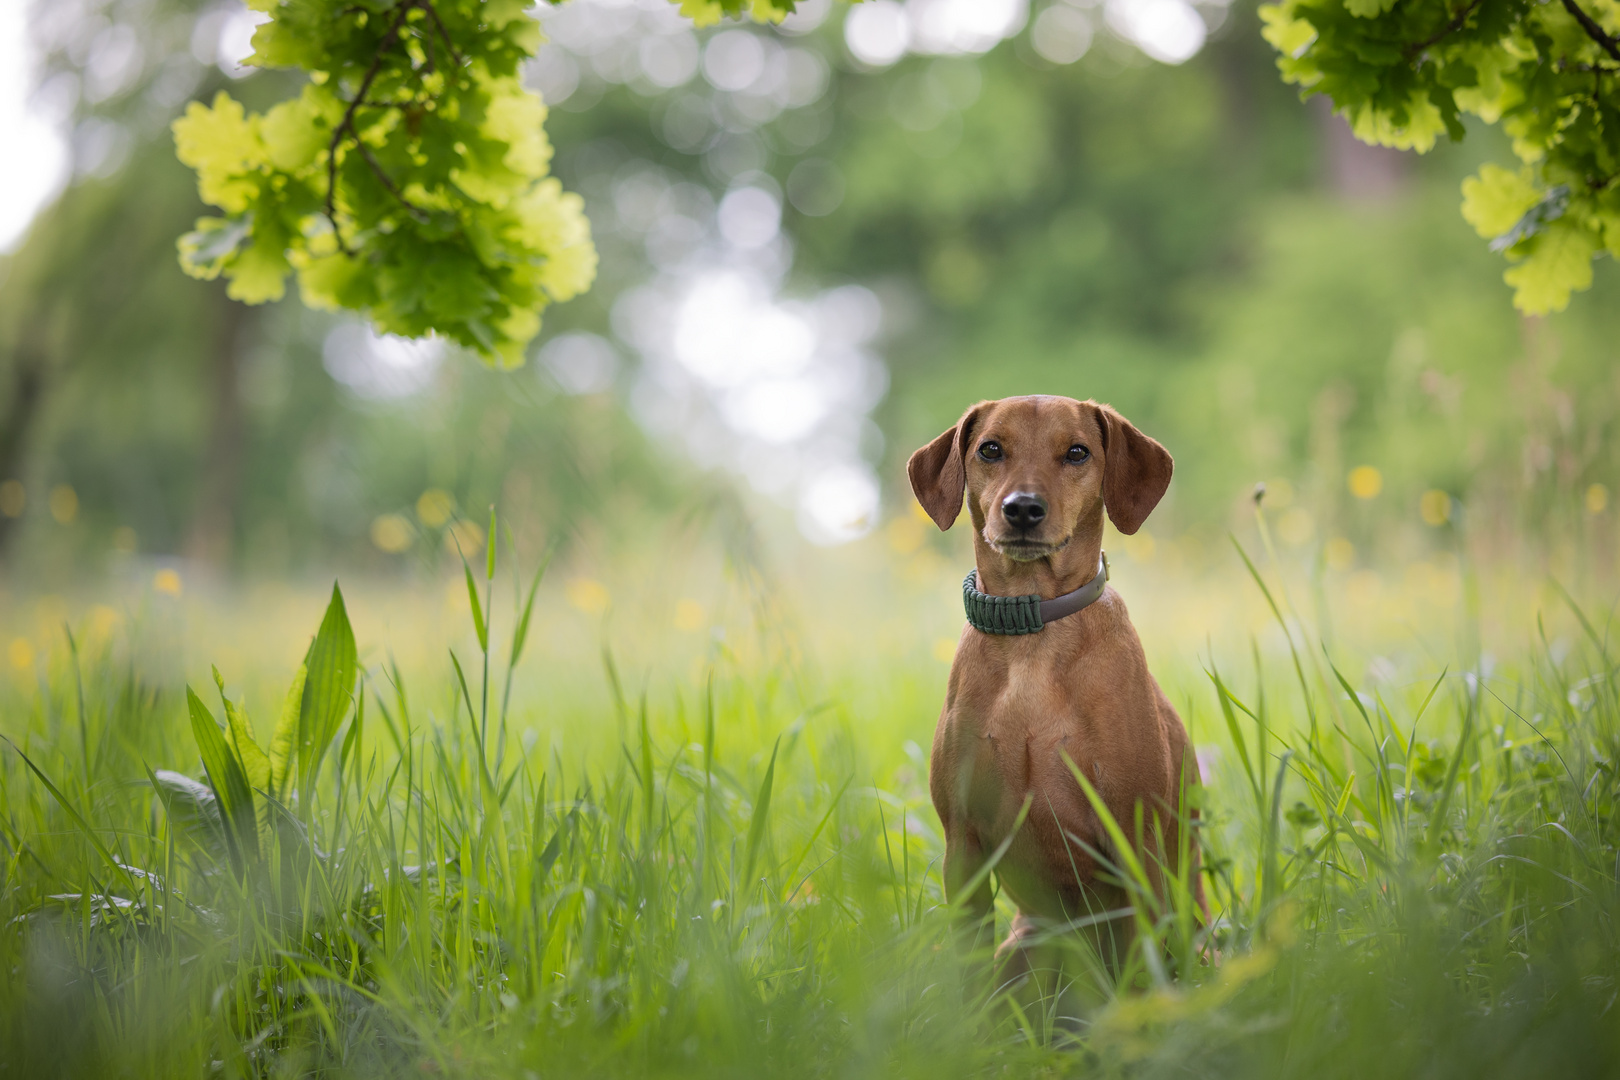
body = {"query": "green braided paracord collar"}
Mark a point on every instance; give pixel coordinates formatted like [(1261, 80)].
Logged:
[(1027, 614), (1000, 614)]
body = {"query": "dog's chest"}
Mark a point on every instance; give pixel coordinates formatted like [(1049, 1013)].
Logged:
[(1022, 735)]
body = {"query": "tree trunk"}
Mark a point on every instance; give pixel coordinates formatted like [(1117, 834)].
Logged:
[(1357, 171), (211, 534), (28, 363)]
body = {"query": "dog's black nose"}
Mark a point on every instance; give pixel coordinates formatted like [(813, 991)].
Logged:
[(1023, 510)]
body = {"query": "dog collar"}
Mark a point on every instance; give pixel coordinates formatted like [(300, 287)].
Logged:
[(1027, 614)]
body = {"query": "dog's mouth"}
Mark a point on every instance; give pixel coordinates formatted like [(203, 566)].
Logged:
[(1027, 549)]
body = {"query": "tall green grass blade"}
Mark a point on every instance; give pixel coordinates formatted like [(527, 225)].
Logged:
[(815, 834), (1137, 880), (1288, 635), (762, 813), (646, 772), (489, 547), (101, 849), (520, 636), (477, 608), (83, 713), (1226, 700)]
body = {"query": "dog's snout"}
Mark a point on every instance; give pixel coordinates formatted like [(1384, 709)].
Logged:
[(1023, 510)]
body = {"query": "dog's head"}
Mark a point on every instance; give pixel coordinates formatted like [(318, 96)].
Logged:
[(1038, 469)]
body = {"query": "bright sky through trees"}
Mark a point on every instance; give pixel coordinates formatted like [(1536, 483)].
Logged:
[(38, 155)]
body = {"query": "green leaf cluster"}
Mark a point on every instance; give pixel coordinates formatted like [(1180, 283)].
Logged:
[(231, 813), (1404, 73), (407, 180), (709, 12)]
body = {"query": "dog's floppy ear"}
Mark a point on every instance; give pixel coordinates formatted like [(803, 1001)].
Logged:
[(1136, 470), (938, 471)]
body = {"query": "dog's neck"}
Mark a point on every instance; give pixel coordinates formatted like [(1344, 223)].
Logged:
[(1063, 571)]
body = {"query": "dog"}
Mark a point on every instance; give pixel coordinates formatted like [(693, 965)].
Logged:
[(1031, 698)]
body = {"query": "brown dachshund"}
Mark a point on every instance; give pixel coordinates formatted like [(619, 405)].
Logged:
[(1039, 472)]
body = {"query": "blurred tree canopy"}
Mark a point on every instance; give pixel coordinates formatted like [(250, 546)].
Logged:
[(1403, 74), (1271, 298)]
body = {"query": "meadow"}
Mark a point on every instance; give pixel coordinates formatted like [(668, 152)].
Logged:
[(674, 821)]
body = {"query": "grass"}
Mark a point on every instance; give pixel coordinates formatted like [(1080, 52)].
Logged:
[(738, 875)]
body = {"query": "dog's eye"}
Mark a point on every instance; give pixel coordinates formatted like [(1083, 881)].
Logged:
[(990, 451), (1077, 453)]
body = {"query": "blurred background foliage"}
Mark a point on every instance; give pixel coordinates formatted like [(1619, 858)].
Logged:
[(1058, 213)]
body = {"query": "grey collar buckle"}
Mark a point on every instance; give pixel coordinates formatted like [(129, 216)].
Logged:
[(1012, 615)]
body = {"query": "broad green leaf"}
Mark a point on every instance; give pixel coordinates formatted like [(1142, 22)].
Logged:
[(332, 281), (331, 664), (552, 220), (229, 782), (243, 742), (1610, 225), (1367, 9), (254, 761), (203, 251), (284, 740), (222, 143), (296, 131), (1560, 262), (193, 811), (1288, 35), (517, 118), (702, 12), (1495, 200), (258, 273), (500, 12), (1379, 126)]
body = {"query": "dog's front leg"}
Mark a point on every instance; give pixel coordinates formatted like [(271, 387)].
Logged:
[(972, 901), (964, 859)]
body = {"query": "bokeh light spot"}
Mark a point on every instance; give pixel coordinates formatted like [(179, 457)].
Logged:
[(1296, 527), (587, 595), (464, 539), (392, 533), (1140, 546), (688, 615), (13, 498), (877, 32), (906, 534), (64, 504), (167, 581), (434, 507), (1366, 482), (1061, 34), (1435, 506), (103, 621)]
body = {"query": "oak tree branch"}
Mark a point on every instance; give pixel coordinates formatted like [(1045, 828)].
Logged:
[(1593, 30)]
